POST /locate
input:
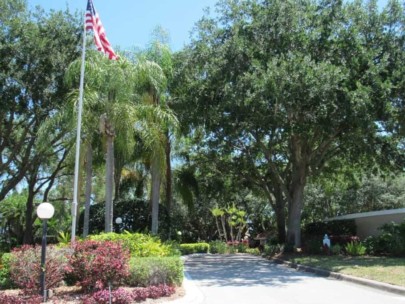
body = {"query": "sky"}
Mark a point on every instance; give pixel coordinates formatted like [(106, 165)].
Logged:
[(129, 23)]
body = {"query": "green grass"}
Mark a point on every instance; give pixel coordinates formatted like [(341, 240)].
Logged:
[(382, 269)]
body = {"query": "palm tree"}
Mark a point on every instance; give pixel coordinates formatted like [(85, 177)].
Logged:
[(152, 84)]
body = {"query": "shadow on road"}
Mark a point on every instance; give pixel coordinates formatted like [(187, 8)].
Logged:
[(240, 270)]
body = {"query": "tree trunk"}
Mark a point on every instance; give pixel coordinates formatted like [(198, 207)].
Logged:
[(295, 206), (224, 227), (28, 233), (109, 183), (119, 164), (279, 210), (169, 195), (89, 176), (155, 194)]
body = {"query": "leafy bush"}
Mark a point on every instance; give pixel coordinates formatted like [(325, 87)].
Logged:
[(218, 247), (19, 299), (343, 240), (355, 249), (253, 251), (95, 264), (155, 271), (236, 246), (25, 267), (194, 248), (336, 249), (346, 227), (314, 246), (391, 241), (122, 296), (272, 250), (138, 244), (118, 296), (5, 279)]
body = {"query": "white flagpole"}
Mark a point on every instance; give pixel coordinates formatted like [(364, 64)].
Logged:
[(78, 139)]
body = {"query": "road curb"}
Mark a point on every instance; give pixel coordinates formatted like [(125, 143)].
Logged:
[(344, 277), (193, 294)]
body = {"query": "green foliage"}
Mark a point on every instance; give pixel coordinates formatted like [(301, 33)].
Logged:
[(194, 248), (138, 244), (313, 246), (352, 190), (272, 250), (355, 249), (5, 278), (345, 227), (391, 240), (155, 270), (63, 237), (283, 106), (253, 251), (336, 249), (233, 222), (218, 247)]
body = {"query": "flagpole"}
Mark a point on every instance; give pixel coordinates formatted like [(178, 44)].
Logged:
[(78, 139)]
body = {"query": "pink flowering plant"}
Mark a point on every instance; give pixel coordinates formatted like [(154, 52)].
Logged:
[(25, 267), (96, 264)]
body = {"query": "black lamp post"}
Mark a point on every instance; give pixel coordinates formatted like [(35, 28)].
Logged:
[(44, 211)]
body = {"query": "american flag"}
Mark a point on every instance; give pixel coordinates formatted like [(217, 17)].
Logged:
[(93, 22)]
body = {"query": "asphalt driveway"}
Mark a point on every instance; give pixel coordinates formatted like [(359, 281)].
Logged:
[(246, 279)]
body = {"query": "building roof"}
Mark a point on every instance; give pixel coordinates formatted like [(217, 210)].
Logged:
[(366, 214)]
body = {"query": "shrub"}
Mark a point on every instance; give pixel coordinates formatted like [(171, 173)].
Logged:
[(343, 240), (118, 296), (155, 271), (336, 249), (138, 244), (194, 248), (253, 251), (25, 267), (314, 246), (346, 227), (98, 264), (355, 249), (18, 299), (272, 250), (122, 296), (218, 247), (5, 279)]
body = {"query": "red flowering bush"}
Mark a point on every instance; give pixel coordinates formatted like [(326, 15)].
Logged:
[(118, 296), (25, 268), (16, 299), (95, 264), (122, 296)]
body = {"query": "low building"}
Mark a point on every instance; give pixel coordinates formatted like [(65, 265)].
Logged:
[(367, 223)]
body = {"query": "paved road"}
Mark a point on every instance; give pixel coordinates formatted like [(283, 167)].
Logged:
[(245, 279)]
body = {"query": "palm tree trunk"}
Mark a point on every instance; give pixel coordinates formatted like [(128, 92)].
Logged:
[(109, 183), (155, 172), (119, 164), (169, 195), (89, 175)]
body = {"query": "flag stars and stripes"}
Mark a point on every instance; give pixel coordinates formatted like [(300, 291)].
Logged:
[(93, 23)]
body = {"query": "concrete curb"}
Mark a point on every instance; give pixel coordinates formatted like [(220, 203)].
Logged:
[(193, 293), (344, 277)]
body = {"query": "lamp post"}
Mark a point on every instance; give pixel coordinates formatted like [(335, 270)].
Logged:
[(44, 211), (118, 221)]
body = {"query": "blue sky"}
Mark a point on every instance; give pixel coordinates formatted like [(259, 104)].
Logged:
[(129, 23)]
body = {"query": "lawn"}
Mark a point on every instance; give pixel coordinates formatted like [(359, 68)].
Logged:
[(383, 269)]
